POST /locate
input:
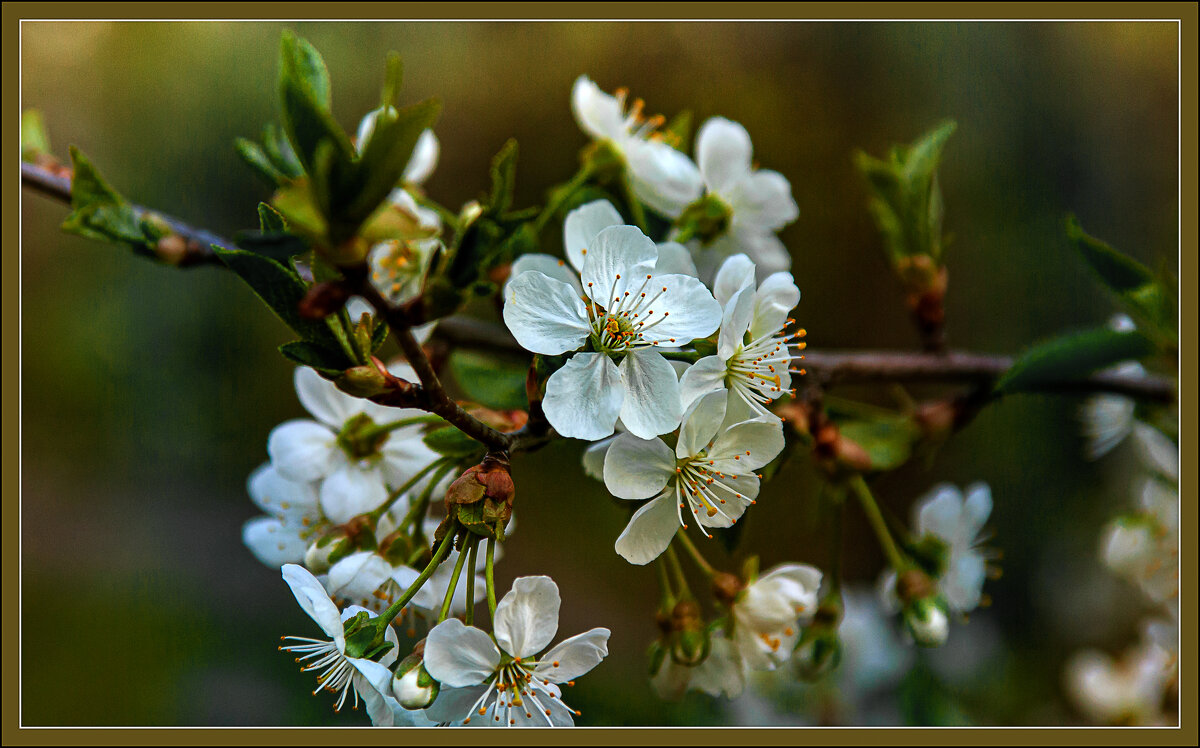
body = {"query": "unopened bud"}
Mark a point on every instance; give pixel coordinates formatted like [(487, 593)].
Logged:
[(726, 586), (172, 249), (927, 621), (363, 381), (691, 647), (936, 419), (416, 688), (482, 497), (322, 554)]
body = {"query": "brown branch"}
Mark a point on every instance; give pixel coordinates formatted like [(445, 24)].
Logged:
[(824, 368), (55, 183)]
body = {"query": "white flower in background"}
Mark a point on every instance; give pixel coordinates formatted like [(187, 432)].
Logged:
[(663, 178), (294, 516), (753, 356), (420, 166), (1159, 454), (398, 267), (709, 474), (374, 580), (346, 449), (768, 614), (628, 309), (759, 202), (366, 679), (504, 682), (1144, 548), (722, 673), (957, 521), (1128, 691), (873, 654), (1108, 419)]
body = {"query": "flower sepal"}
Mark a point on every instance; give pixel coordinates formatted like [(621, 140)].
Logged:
[(365, 637), (705, 219), (818, 651)]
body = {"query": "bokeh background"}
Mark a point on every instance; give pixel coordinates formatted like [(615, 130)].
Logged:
[(148, 393)]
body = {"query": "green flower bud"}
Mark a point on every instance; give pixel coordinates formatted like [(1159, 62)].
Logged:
[(415, 689), (818, 653), (927, 621)]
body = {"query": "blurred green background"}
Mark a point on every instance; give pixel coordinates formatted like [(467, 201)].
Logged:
[(148, 393)]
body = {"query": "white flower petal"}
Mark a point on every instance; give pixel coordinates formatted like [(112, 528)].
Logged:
[(723, 672), (773, 302), (302, 450), (663, 178), (324, 400), (424, 158), (549, 266), (754, 443), (617, 256), (313, 599), (593, 458), (458, 655), (939, 513), (651, 404), (763, 200), (527, 617), (545, 315), (735, 321), (762, 246), (573, 657), (596, 112), (272, 542), (691, 311), (373, 683), (279, 496), (735, 273), (454, 704), (962, 584), (700, 424), (637, 468), (650, 530), (583, 224), (1158, 452), (705, 376), (976, 509), (583, 398), (351, 491), (723, 152), (675, 259), (357, 576)]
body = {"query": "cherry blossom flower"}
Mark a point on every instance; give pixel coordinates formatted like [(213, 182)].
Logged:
[(721, 673), (768, 614), (710, 472), (1128, 690), (293, 517), (753, 355), (366, 679), (758, 202), (348, 448), (420, 166), (661, 177), (627, 310), (504, 682)]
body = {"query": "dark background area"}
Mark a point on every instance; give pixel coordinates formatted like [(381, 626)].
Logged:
[(148, 393)]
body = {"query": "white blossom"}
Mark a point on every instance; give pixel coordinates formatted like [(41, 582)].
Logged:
[(344, 449), (504, 682), (663, 178), (957, 521), (624, 308), (709, 474), (293, 517), (1128, 690), (753, 355), (420, 166), (769, 613), (722, 673), (759, 202), (365, 679)]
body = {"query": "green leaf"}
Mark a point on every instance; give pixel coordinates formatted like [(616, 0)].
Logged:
[(35, 141), (383, 162), (504, 177), (1071, 358), (888, 440), (393, 81), (450, 442), (1119, 272), (257, 159), (275, 144), (495, 381), (305, 66), (270, 219), (281, 289), (100, 213), (327, 361), (906, 201)]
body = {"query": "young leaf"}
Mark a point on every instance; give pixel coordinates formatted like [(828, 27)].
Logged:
[(450, 442), (280, 289), (383, 162), (98, 212), (887, 440), (304, 93), (305, 66), (330, 362), (35, 142), (270, 219), (1072, 357), (504, 177), (257, 159)]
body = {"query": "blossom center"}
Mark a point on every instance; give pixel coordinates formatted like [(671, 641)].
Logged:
[(360, 438), (516, 690), (621, 320)]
